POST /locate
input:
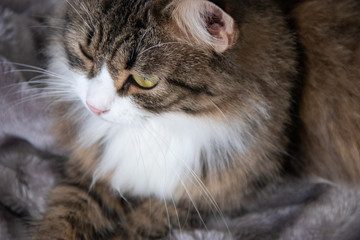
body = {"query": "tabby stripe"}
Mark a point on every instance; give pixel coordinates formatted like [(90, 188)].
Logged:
[(90, 36), (68, 204), (162, 106), (292, 128), (172, 103), (107, 6), (100, 39), (80, 236), (88, 229), (194, 90), (118, 43), (110, 214), (74, 217), (74, 61), (115, 13)]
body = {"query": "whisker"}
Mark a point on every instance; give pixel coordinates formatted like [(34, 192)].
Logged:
[(27, 70), (38, 79), (86, 10), (41, 70), (158, 45), (60, 27), (167, 213), (85, 22), (181, 181), (18, 88), (218, 108), (136, 138), (192, 202), (199, 182), (176, 213), (211, 198), (139, 43), (25, 100), (54, 18)]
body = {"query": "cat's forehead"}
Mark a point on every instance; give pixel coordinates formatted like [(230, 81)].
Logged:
[(115, 13), (123, 21), (112, 27)]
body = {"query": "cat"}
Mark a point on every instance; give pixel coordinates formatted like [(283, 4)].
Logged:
[(174, 112)]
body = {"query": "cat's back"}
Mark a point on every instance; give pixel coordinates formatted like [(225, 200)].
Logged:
[(329, 32)]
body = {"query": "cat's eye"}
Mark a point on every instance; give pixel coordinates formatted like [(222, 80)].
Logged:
[(86, 52), (145, 82)]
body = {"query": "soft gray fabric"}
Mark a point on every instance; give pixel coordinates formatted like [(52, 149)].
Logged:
[(26, 177), (298, 210), (26, 173), (21, 104), (24, 113), (29, 8)]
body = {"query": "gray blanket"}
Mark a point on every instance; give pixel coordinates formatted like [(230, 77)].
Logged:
[(301, 209), (27, 160)]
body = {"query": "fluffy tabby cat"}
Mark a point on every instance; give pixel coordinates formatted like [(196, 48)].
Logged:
[(175, 111)]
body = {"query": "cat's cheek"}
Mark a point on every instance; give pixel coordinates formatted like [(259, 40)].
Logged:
[(81, 86), (124, 112), (126, 120)]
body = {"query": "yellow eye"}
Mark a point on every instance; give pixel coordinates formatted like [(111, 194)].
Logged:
[(145, 82)]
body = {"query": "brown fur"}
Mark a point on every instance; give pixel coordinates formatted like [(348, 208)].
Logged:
[(329, 32), (261, 66)]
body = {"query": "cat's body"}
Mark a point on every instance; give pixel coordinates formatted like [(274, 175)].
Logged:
[(330, 99), (177, 110)]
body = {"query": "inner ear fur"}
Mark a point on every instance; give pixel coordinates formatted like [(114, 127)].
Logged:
[(203, 22)]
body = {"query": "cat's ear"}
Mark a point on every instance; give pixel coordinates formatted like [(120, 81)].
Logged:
[(205, 23)]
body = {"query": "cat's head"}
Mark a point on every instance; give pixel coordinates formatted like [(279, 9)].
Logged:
[(130, 60)]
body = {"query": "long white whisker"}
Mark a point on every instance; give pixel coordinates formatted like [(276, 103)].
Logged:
[(211, 198), (158, 45), (167, 213), (86, 10), (199, 183), (139, 43), (41, 78), (192, 202), (53, 18), (176, 213), (217, 107), (25, 70), (41, 70), (183, 184), (140, 152), (27, 99), (85, 22), (60, 26)]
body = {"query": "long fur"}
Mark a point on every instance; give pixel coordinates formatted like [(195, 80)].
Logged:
[(155, 155), (190, 16)]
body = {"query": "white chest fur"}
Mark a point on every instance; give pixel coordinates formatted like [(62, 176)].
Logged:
[(157, 157)]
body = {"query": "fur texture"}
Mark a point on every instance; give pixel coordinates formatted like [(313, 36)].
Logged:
[(224, 102), (212, 135), (296, 210), (330, 109), (204, 23), (191, 139)]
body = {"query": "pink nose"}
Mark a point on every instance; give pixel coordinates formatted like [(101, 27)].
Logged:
[(95, 110)]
